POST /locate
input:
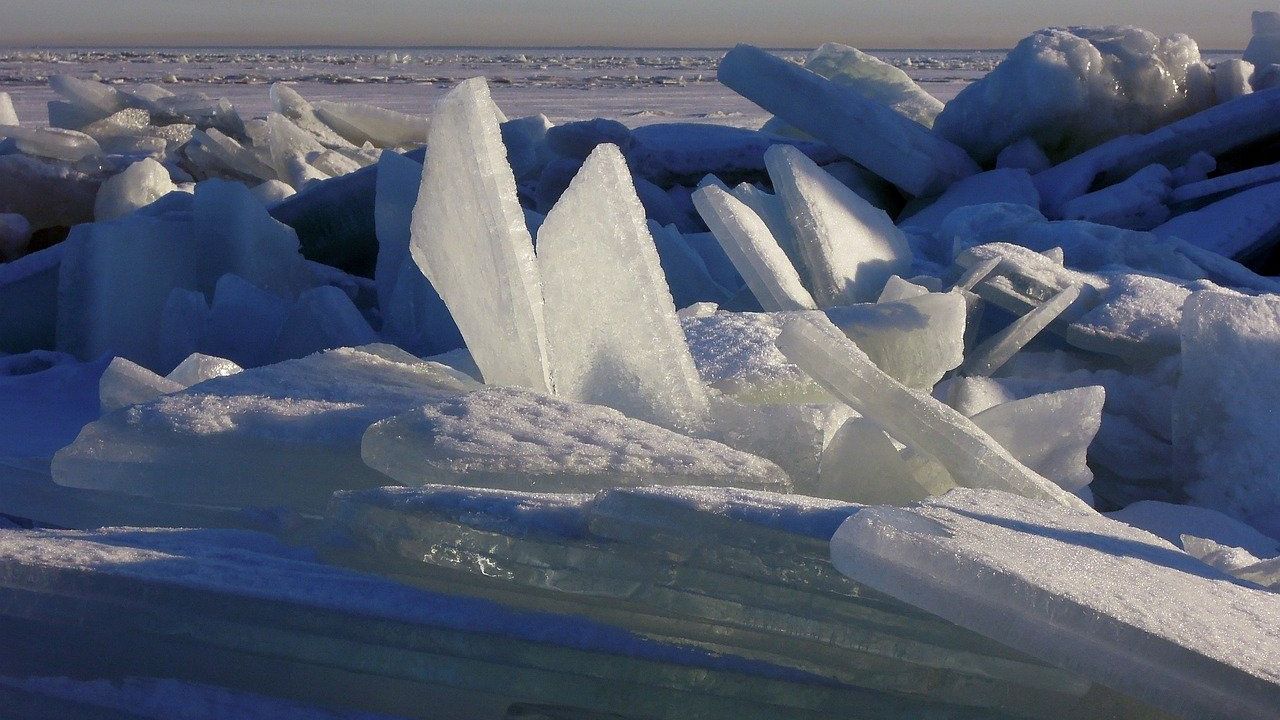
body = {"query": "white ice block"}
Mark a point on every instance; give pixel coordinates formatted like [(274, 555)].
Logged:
[(875, 80), (272, 192), (1005, 185), (872, 134), (1049, 433), (198, 367), (612, 334), (290, 146), (755, 253), (126, 383), (849, 246), (1237, 226), (915, 341), (94, 99), (1224, 421), (515, 439), (1137, 203), (284, 434), (361, 123), (996, 350), (469, 238), (289, 102), (898, 289), (235, 156), (971, 456), (8, 116), (141, 184), (1094, 596), (1231, 79)]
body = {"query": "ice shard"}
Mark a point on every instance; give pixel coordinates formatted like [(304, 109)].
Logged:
[(872, 134), (850, 247), (322, 318), (52, 143), (519, 440), (1238, 226), (996, 350), (469, 238), (1050, 432), (1089, 594), (755, 253), (862, 464), (360, 124), (971, 456), (915, 341), (198, 367), (126, 383), (612, 334)]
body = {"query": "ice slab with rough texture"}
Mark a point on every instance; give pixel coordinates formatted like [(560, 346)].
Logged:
[(518, 440), (1224, 417), (875, 80), (1070, 89), (849, 246), (1095, 596), (141, 184), (915, 341), (755, 253), (971, 456), (469, 238), (736, 355), (872, 134), (285, 434), (612, 334), (1171, 522)]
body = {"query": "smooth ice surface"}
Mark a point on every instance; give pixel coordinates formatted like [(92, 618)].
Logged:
[(862, 464), (849, 246), (469, 238), (1006, 185), (1070, 89), (874, 135), (915, 341), (141, 184), (52, 143), (1224, 415), (612, 334), (519, 440), (1049, 433), (284, 434), (755, 253), (971, 456), (360, 123), (1074, 588), (126, 383)]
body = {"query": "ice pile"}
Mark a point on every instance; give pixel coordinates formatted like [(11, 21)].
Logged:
[(605, 396)]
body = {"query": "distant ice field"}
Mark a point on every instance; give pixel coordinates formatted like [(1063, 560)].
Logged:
[(634, 86)]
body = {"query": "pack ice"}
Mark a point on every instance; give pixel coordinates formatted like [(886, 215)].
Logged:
[(888, 409)]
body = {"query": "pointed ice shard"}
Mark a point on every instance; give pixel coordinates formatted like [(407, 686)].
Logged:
[(471, 241), (849, 246), (774, 214), (755, 253), (125, 383), (915, 341), (612, 333), (971, 456), (199, 367), (874, 135), (1049, 432), (8, 116)]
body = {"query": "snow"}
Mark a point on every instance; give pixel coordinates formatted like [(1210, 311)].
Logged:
[(1071, 89), (469, 239), (1116, 604), (515, 439), (894, 147)]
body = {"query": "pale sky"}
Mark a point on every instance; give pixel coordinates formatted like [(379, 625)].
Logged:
[(629, 23)]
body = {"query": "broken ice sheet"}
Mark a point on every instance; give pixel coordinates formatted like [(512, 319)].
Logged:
[(515, 439), (850, 247), (470, 239), (971, 456), (611, 329), (1092, 595)]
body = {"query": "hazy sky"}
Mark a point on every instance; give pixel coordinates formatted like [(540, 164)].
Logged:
[(679, 23)]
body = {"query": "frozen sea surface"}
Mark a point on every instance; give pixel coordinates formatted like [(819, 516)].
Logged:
[(631, 85)]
